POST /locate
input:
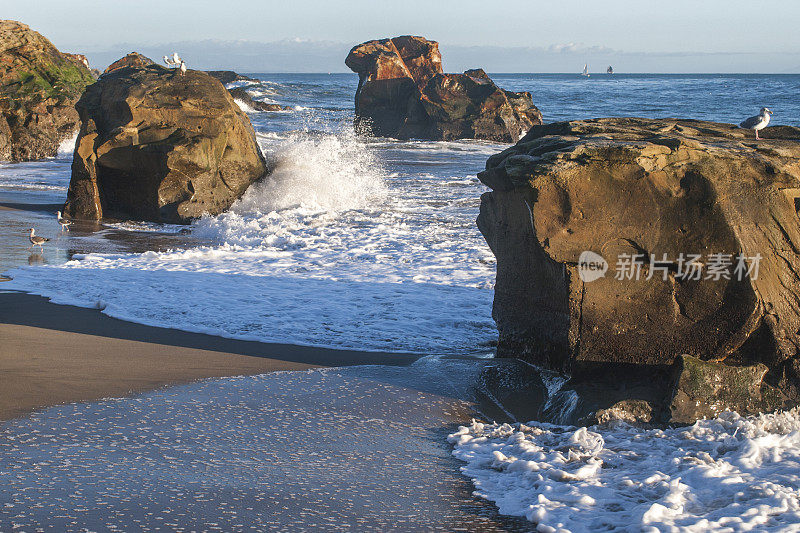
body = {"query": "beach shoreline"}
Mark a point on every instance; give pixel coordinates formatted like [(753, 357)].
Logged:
[(53, 354)]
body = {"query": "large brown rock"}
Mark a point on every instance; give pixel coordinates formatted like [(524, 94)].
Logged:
[(160, 146), (38, 89), (640, 193), (403, 93)]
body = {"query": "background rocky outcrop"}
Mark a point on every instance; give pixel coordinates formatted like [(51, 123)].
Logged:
[(160, 146), (241, 94), (38, 89), (134, 59), (653, 190), (228, 76), (403, 93)]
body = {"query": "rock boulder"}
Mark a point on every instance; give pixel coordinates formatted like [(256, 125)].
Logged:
[(160, 146), (38, 89), (625, 243), (403, 93), (134, 59)]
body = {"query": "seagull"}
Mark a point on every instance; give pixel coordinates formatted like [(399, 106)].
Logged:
[(183, 68), (176, 58), (65, 224), (758, 122), (36, 240), (169, 62)]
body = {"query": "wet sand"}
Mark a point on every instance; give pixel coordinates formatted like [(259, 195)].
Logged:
[(54, 354)]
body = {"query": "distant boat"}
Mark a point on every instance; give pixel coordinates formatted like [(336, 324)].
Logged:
[(610, 70), (585, 70)]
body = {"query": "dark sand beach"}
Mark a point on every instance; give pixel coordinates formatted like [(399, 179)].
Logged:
[(53, 354)]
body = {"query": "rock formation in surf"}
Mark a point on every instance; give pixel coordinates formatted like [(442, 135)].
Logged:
[(38, 89), (403, 93), (160, 146), (228, 76), (241, 94), (627, 243)]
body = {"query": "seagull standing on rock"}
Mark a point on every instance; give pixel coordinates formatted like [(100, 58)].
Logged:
[(169, 62), (183, 68), (758, 122), (36, 240), (176, 58), (65, 224)]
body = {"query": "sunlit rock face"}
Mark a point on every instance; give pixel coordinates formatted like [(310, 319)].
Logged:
[(403, 93), (625, 243), (161, 146)]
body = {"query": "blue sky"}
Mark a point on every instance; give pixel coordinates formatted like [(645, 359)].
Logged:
[(533, 36)]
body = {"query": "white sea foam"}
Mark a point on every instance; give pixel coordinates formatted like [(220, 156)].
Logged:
[(330, 250), (727, 474), (67, 146), (244, 106)]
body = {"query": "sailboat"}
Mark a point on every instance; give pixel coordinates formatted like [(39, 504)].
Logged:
[(585, 70), (610, 70)]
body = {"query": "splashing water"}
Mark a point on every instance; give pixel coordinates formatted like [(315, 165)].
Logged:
[(67, 146), (313, 175)]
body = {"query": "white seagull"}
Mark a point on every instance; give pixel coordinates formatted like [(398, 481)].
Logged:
[(758, 122), (183, 68), (176, 58), (36, 240), (65, 224), (169, 62)]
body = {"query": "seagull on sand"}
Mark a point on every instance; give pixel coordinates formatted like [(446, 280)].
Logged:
[(758, 122), (169, 62), (36, 240), (183, 68), (65, 224)]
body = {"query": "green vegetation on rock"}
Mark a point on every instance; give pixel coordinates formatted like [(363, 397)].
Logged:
[(39, 86)]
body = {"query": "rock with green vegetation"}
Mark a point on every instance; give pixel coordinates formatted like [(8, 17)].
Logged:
[(703, 389), (161, 146), (38, 89)]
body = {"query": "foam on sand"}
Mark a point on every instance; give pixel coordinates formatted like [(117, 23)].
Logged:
[(727, 474)]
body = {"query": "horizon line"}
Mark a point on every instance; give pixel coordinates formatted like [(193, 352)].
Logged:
[(244, 71)]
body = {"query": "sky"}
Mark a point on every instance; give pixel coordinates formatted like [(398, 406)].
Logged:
[(527, 36)]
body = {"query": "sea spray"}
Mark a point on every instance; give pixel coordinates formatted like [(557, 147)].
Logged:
[(315, 177), (67, 147)]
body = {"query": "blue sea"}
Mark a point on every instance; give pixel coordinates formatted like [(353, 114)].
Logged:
[(362, 244)]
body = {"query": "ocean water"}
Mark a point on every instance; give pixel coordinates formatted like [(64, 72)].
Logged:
[(371, 244), (353, 243)]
